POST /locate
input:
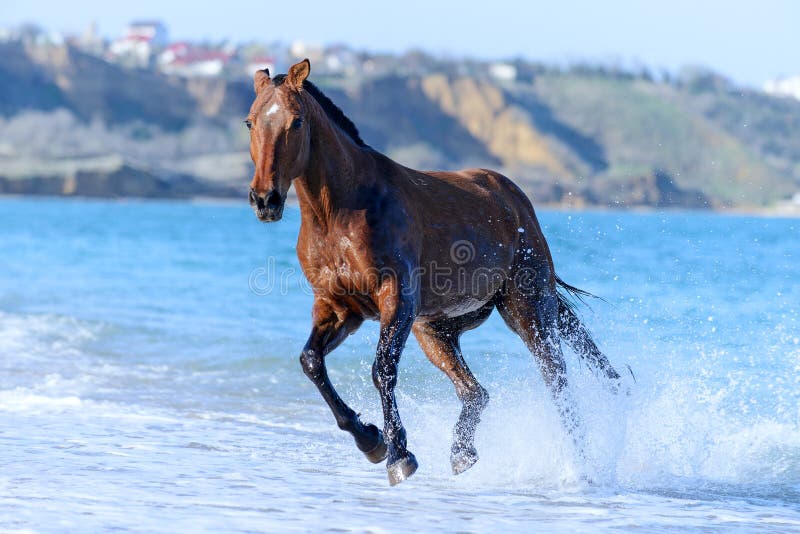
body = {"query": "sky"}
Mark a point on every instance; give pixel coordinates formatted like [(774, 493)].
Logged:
[(748, 41)]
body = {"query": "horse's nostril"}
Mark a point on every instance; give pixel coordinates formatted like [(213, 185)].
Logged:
[(274, 200), (252, 196)]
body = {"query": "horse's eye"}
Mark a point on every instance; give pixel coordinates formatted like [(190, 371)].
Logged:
[(248, 123), (297, 123)]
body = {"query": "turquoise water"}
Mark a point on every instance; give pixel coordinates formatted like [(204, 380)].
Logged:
[(149, 381)]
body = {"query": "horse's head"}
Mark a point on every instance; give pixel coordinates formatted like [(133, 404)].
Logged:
[(279, 139)]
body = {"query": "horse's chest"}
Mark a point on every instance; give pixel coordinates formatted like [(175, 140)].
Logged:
[(340, 267)]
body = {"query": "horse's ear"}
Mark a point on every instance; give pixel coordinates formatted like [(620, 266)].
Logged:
[(298, 74), (261, 79)]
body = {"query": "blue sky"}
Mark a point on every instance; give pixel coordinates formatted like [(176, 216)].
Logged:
[(749, 41)]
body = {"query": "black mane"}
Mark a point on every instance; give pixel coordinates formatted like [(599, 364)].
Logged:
[(331, 110)]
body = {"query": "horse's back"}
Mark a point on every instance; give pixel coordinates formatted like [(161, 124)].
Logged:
[(477, 195), (482, 183)]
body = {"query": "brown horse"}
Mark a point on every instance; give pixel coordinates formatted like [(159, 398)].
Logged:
[(431, 253)]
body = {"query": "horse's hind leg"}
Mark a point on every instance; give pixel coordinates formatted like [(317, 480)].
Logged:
[(440, 341), (577, 336), (327, 333), (529, 306)]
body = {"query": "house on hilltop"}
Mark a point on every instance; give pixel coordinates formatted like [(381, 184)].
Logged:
[(139, 44), (189, 61), (784, 87)]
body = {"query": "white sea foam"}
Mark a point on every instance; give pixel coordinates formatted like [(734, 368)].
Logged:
[(28, 335), (21, 400), (669, 431)]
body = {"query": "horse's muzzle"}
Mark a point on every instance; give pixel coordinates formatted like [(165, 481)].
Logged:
[(268, 208)]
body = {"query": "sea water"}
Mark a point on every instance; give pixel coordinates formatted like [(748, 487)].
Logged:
[(149, 381)]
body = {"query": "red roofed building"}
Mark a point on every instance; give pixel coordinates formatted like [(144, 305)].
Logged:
[(182, 59), (140, 42)]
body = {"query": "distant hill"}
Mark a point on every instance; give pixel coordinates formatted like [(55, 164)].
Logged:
[(577, 137)]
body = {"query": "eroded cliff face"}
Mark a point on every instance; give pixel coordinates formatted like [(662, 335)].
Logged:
[(505, 128), (73, 124), (565, 139), (91, 87)]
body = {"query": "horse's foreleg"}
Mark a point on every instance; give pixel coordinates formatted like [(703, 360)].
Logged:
[(327, 333), (397, 316)]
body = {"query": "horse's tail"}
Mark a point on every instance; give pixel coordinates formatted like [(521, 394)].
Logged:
[(577, 336)]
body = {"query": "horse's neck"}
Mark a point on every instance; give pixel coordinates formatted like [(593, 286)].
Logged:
[(337, 168)]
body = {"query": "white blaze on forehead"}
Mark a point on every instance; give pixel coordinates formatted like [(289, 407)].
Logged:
[(273, 109)]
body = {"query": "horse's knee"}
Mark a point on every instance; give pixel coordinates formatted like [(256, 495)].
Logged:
[(313, 365), (386, 381), (384, 373)]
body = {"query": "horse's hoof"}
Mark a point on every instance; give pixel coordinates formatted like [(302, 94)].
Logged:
[(463, 459), (379, 453), (402, 469)]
